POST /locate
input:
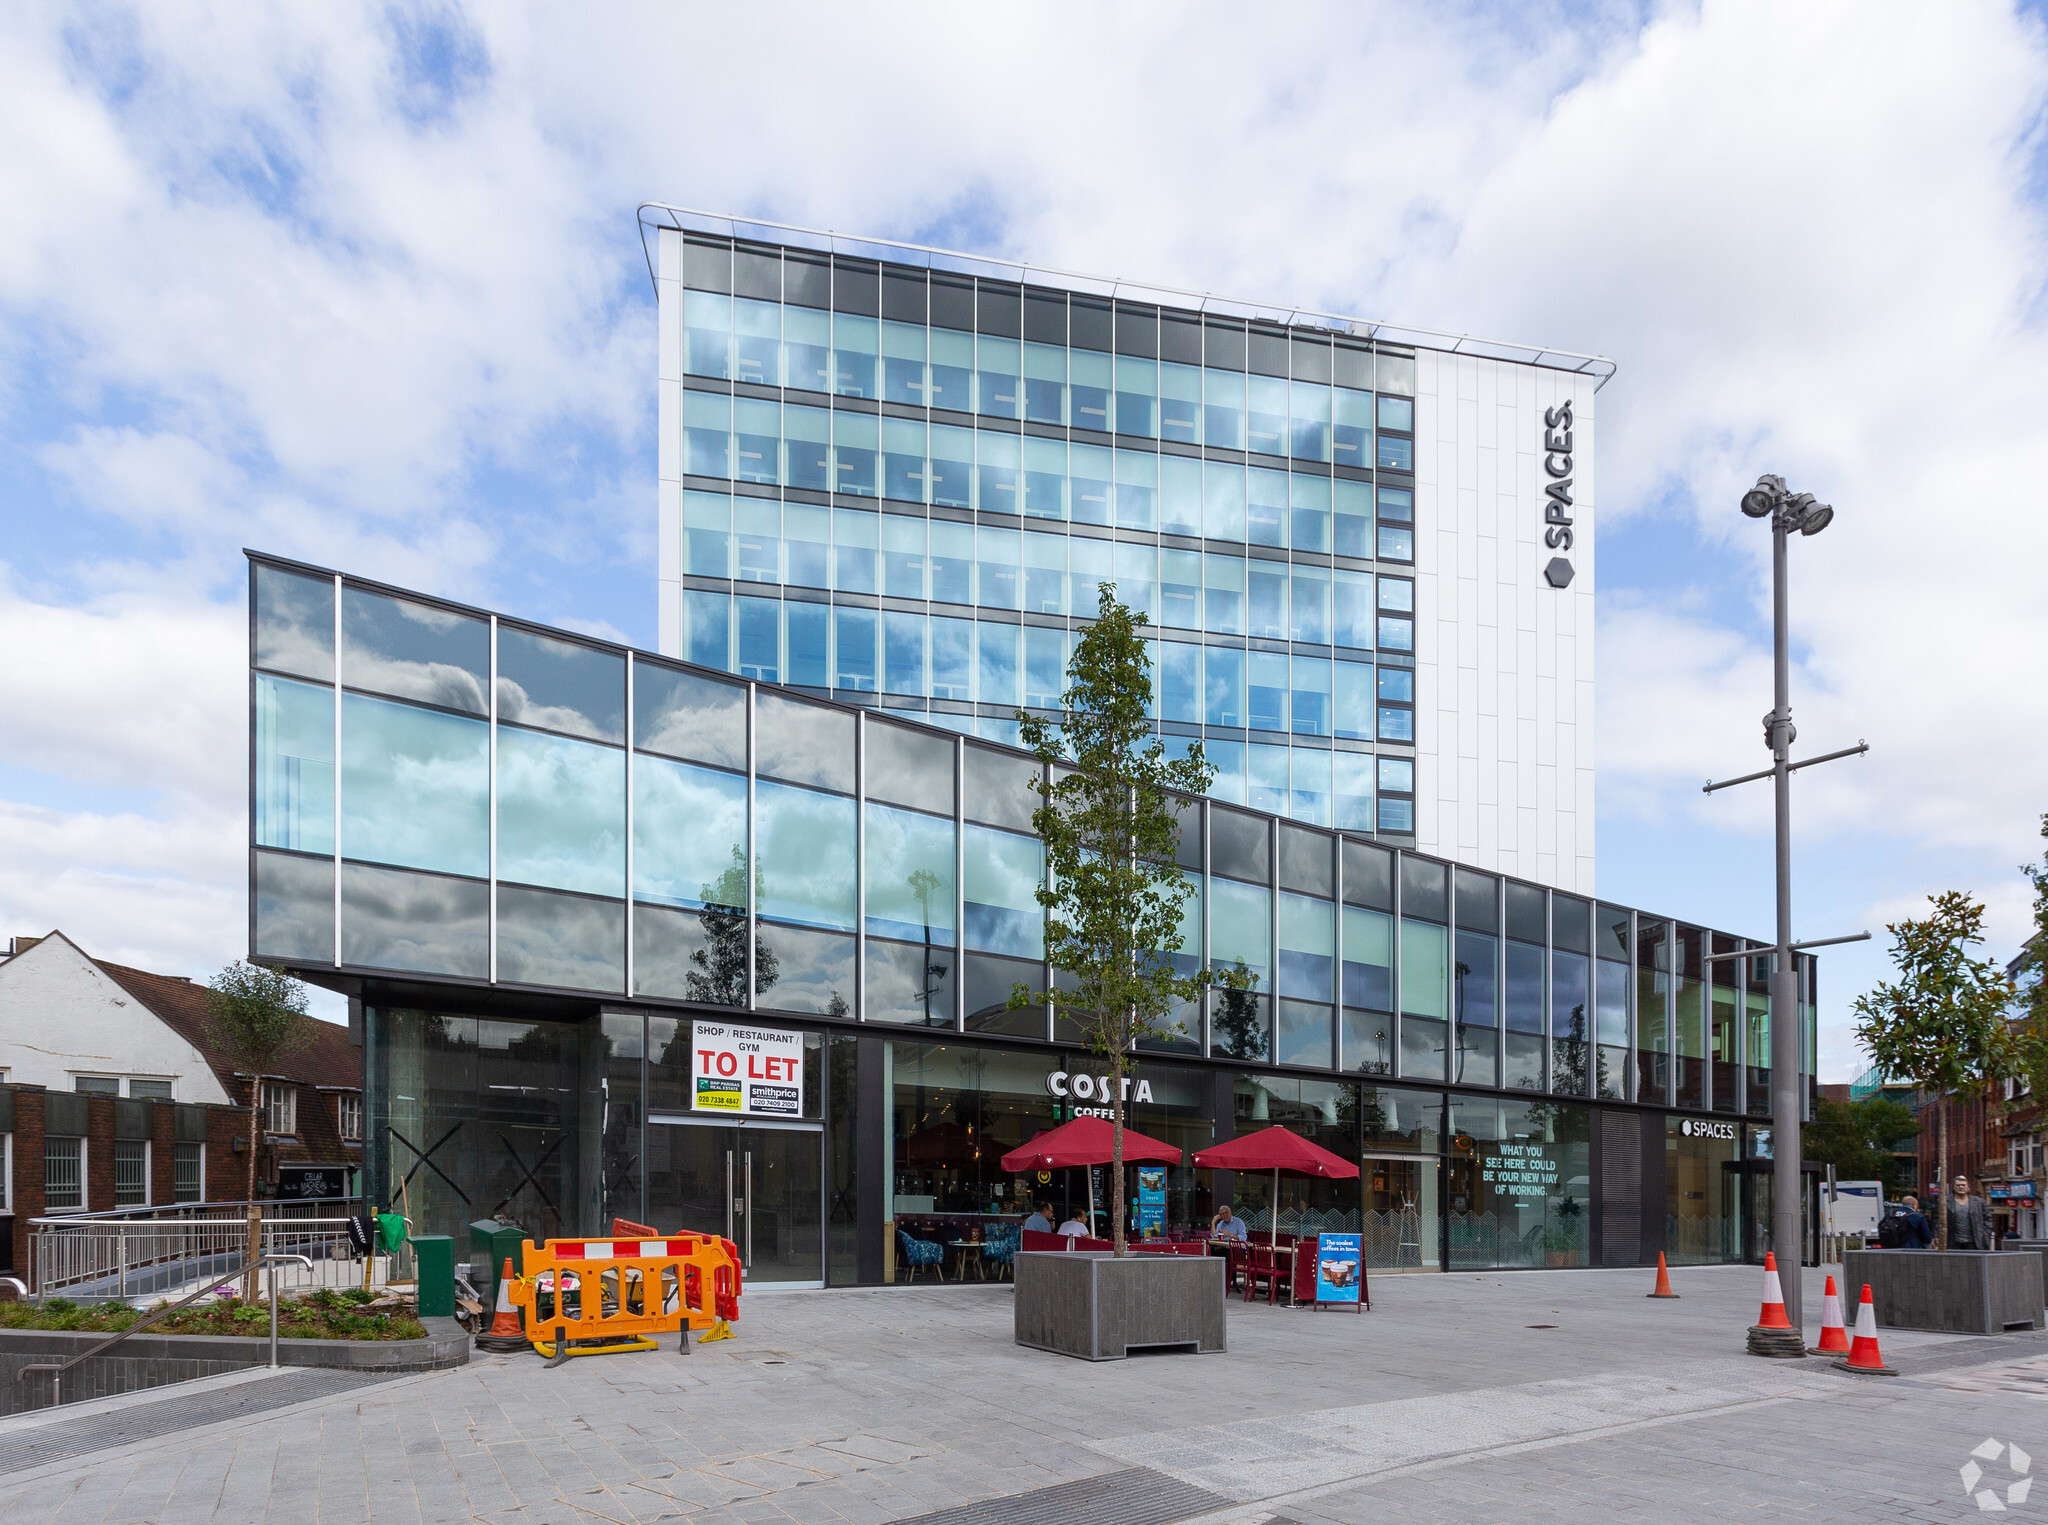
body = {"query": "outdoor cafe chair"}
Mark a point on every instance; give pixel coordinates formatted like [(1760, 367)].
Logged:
[(1000, 1248), (921, 1253), (1273, 1266)]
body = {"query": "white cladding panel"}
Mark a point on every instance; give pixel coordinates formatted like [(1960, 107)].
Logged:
[(669, 305), (1503, 661)]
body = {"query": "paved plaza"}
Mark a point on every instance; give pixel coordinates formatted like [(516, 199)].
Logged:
[(1515, 1396)]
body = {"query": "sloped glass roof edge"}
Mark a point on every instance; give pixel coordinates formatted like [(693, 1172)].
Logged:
[(659, 215)]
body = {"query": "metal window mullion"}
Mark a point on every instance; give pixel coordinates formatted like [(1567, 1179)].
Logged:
[(860, 857), (1394, 954), (1272, 893), (960, 880), (1337, 886), (491, 909), (630, 971), (752, 865), (1500, 958), (1549, 993), (1631, 1068), (1208, 910), (337, 769)]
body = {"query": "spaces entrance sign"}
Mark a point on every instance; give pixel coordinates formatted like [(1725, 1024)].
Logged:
[(746, 1071), (1557, 491)]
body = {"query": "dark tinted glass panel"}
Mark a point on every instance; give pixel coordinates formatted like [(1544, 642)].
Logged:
[(1305, 864), (1188, 815), (1223, 345), (295, 907), (909, 983), (561, 686), (997, 309), (1569, 926), (707, 266), (1137, 331), (1089, 324), (545, 938), (1525, 913), (696, 955), (395, 646), (1180, 338), (1306, 1034), (998, 788), (903, 295), (806, 281), (1311, 359), (295, 623), (1266, 352), (988, 985), (1610, 932), (1474, 980), (1476, 901), (804, 743), (1045, 317), (1240, 1025), (797, 969), (1368, 875), (757, 273), (1238, 846), (1422, 889), (396, 920), (690, 717), (1523, 1003), (908, 767), (952, 303), (855, 287), (1368, 1038), (1354, 368)]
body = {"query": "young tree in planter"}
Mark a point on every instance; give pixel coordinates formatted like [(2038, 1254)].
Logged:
[(1941, 1024), (1114, 892), (257, 1019)]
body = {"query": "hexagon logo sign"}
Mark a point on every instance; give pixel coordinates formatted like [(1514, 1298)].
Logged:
[(1559, 573)]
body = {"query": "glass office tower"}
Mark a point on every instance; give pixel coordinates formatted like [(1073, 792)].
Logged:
[(898, 477)]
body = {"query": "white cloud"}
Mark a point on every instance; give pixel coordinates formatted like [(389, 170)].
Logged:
[(265, 281)]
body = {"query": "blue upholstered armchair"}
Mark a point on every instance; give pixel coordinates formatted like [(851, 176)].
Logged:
[(921, 1253), (1000, 1247)]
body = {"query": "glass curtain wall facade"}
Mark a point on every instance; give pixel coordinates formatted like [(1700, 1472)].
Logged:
[(907, 484), (514, 845)]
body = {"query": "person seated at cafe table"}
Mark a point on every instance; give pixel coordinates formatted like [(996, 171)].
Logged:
[(1227, 1225), (1074, 1228), (1040, 1221)]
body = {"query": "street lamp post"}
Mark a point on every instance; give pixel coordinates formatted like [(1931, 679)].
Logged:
[(1788, 512)]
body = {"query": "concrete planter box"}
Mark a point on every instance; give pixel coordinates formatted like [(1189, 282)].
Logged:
[(2036, 1246), (1100, 1308), (1957, 1291), (156, 1360)]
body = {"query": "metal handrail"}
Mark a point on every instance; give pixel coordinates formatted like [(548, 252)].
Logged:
[(58, 1368)]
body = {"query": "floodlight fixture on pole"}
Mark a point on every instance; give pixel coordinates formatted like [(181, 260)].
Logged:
[(1788, 511)]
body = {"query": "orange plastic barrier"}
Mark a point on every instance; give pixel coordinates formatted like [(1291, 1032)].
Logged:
[(596, 1296)]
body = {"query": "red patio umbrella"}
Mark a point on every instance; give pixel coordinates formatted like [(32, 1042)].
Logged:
[(1277, 1149), (1086, 1141)]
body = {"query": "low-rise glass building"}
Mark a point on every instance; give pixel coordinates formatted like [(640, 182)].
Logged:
[(562, 883)]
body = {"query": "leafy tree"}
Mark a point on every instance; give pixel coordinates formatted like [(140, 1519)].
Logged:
[(718, 973), (1114, 893), (1941, 1024), (2030, 982), (256, 1019), (1857, 1138)]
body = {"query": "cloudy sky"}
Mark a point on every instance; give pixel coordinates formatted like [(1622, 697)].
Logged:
[(368, 290)]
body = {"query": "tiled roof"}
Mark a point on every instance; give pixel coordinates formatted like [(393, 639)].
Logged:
[(329, 1060)]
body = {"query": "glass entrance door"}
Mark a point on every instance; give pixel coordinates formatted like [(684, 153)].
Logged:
[(762, 1188), (1403, 1217)]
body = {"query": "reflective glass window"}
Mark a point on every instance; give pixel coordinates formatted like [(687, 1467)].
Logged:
[(1473, 985), (1309, 526), (1424, 970), (1352, 535), (806, 643), (1311, 605), (1045, 573), (856, 539), (1309, 708), (707, 632), (951, 472), (802, 970), (1238, 846), (1045, 383), (757, 346), (561, 685), (685, 715), (689, 834), (807, 445), (1351, 432), (1137, 489), (757, 539), (415, 787), (1309, 421), (1351, 793), (854, 347), (1308, 948), (803, 743), (1396, 633), (807, 535), (294, 907), (1092, 471), (707, 335), (561, 813), (996, 668), (757, 630), (903, 363), (1137, 578), (1180, 588), (567, 940), (1223, 409), (1180, 403), (903, 548), (1180, 682), (756, 440), (1090, 565), (1223, 594), (1354, 700), (1570, 1032), (707, 434), (1267, 507), (903, 654), (1180, 495), (1266, 691), (1397, 725), (804, 866), (996, 473), (909, 875), (1398, 594), (908, 983), (1266, 403), (856, 452), (1090, 380), (1223, 686), (908, 766), (807, 348), (952, 562), (1367, 1043), (698, 955), (391, 919), (1045, 667), (952, 658), (1137, 396), (294, 804), (414, 651), (997, 552), (1368, 958), (295, 623), (1240, 927), (1223, 501), (996, 391), (903, 473), (1266, 598), (1003, 872), (854, 634), (952, 370), (1397, 413), (1352, 616), (1267, 771), (1045, 478), (1396, 452), (707, 534)]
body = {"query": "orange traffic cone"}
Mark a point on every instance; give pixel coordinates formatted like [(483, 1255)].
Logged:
[(1663, 1279), (1773, 1315), (506, 1333), (1834, 1335), (1863, 1355)]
